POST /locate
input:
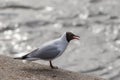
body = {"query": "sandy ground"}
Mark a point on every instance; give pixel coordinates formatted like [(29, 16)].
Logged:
[(11, 69)]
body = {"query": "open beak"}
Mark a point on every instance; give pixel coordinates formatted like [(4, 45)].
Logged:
[(76, 37)]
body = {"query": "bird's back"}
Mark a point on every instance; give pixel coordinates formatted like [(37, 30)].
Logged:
[(47, 51)]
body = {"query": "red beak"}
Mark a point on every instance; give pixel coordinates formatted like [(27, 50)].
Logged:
[(76, 37)]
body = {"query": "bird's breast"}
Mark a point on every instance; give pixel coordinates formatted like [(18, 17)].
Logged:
[(62, 47)]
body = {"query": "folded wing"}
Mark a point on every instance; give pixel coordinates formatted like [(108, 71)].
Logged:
[(46, 53)]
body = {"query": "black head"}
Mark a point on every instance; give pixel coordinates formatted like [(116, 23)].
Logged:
[(70, 36)]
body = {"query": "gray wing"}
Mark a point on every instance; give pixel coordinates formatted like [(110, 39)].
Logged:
[(47, 52)]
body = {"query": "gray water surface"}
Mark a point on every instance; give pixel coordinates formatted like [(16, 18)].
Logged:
[(27, 24)]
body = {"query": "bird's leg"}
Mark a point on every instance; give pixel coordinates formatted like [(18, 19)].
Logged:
[(53, 67)]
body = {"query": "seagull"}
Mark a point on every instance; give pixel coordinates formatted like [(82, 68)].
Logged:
[(51, 49)]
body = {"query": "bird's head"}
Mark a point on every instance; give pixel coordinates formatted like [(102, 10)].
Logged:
[(70, 36)]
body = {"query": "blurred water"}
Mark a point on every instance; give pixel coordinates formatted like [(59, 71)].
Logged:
[(25, 25)]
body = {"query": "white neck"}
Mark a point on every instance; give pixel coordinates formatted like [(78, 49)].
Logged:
[(63, 43), (63, 38)]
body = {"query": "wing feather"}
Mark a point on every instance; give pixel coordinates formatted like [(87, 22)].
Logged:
[(47, 52)]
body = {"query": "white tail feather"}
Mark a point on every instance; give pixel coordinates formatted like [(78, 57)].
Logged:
[(20, 55), (25, 61)]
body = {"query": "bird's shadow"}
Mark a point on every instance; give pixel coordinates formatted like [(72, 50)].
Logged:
[(45, 72)]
